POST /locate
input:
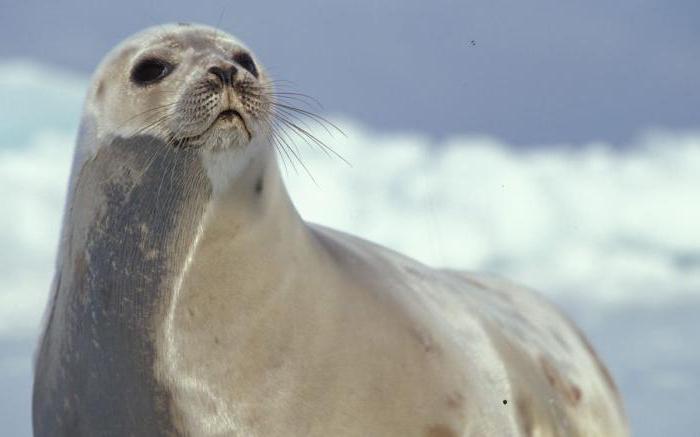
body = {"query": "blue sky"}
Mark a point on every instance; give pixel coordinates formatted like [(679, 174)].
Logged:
[(539, 72)]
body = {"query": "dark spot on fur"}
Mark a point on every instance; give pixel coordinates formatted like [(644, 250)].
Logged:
[(575, 393), (475, 282), (99, 92), (502, 295), (570, 392), (80, 274), (424, 340), (525, 415), (259, 185), (455, 401), (549, 371), (505, 402), (413, 271), (560, 339), (440, 431), (601, 367)]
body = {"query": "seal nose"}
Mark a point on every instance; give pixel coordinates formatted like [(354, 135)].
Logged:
[(225, 74)]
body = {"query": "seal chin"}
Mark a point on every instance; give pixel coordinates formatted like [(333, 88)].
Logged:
[(230, 119)]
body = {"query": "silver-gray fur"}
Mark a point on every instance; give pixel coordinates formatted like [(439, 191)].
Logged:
[(191, 299), (130, 220)]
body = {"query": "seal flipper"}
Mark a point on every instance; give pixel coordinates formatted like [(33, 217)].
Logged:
[(134, 212)]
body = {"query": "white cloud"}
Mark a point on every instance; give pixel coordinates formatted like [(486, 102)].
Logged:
[(613, 226)]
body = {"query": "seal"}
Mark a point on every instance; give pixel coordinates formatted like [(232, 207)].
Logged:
[(191, 299)]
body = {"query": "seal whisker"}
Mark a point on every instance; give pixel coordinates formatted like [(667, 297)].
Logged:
[(279, 137), (284, 112), (273, 142), (293, 128), (291, 115), (282, 132), (166, 168), (271, 90), (319, 119), (151, 160), (298, 97), (280, 81), (152, 126), (289, 150), (271, 137), (311, 139), (262, 91), (146, 112), (281, 153)]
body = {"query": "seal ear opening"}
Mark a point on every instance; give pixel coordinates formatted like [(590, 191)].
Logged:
[(150, 71)]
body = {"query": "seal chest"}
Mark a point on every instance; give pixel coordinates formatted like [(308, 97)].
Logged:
[(190, 298)]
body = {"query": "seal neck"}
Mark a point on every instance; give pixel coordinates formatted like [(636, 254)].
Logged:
[(248, 194), (251, 248)]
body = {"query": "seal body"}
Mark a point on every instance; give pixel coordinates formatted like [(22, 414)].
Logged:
[(191, 299)]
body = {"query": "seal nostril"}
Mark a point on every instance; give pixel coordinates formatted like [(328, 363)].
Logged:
[(225, 75), (218, 72)]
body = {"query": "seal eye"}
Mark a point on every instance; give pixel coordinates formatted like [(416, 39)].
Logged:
[(245, 61), (150, 71)]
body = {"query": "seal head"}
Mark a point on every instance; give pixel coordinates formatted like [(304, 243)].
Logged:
[(192, 86)]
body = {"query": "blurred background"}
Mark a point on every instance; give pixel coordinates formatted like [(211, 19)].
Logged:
[(555, 143)]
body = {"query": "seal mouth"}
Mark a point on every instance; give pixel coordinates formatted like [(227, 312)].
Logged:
[(230, 114)]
